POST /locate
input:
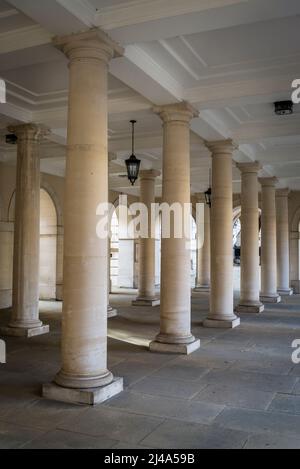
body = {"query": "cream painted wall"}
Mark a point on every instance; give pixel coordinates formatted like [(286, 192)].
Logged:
[(48, 247)]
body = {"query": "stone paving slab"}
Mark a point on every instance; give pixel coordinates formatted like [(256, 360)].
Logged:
[(286, 403), (199, 412), (253, 421), (296, 389), (235, 395), (59, 439), (272, 441), (190, 371), (14, 436), (42, 414), (112, 423), (168, 388), (257, 381), (183, 435)]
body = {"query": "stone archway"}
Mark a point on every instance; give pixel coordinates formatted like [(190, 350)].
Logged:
[(295, 251), (48, 246), (47, 188)]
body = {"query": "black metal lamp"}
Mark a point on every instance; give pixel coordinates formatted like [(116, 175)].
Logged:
[(11, 139), (133, 164), (208, 194), (284, 108)]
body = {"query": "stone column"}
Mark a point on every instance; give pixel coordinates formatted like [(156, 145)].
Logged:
[(283, 248), (111, 312), (250, 285), (221, 313), (203, 251), (59, 263), (146, 296), (25, 310), (175, 312), (84, 377), (268, 242)]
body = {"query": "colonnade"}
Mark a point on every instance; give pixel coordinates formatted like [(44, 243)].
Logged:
[(84, 376)]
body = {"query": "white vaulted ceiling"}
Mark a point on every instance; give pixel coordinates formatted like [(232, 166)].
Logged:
[(230, 58)]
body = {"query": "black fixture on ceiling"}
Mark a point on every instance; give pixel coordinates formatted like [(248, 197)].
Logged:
[(208, 193), (284, 108), (133, 164), (11, 139)]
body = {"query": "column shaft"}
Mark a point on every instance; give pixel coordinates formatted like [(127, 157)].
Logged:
[(221, 294), (283, 248), (175, 314), (203, 252), (250, 286), (84, 324), (147, 296), (268, 243), (25, 311)]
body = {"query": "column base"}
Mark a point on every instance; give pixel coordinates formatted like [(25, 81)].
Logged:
[(221, 323), (250, 308), (91, 397), (202, 289), (111, 312), (285, 292), (182, 349), (146, 302), (270, 299), (22, 332)]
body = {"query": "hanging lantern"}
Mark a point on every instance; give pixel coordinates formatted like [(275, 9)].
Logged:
[(133, 164), (208, 194)]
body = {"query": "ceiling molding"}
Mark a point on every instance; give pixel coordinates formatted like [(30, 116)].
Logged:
[(179, 59), (81, 9), (225, 92), (8, 13), (23, 38), (155, 72), (16, 112), (193, 51), (136, 12)]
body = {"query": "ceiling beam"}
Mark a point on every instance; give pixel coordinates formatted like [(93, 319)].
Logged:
[(137, 12)]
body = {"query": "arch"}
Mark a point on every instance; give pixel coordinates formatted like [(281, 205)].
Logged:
[(295, 221), (194, 239), (48, 246), (123, 253), (11, 207), (55, 199), (295, 251), (1, 209)]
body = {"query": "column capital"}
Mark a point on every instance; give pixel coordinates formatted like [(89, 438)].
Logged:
[(29, 131), (282, 192), (93, 44), (182, 112), (251, 167), (268, 182), (149, 174), (221, 146)]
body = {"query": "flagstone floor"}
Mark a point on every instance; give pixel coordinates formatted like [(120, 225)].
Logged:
[(240, 390)]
